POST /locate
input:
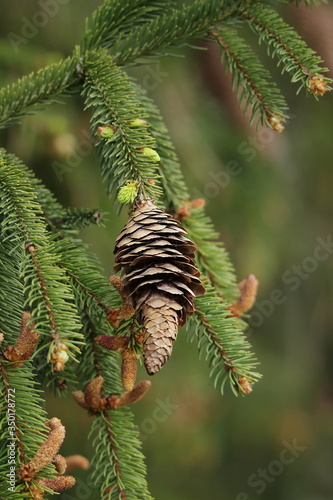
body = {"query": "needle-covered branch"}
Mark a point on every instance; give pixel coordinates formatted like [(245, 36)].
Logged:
[(124, 155)]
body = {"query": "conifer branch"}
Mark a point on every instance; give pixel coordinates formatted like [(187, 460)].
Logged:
[(117, 465), (283, 42), (109, 92), (222, 343), (47, 293), (118, 461), (117, 17), (175, 29), (49, 281), (309, 3), (212, 258), (72, 218), (25, 343), (33, 92), (172, 180), (254, 84), (22, 421)]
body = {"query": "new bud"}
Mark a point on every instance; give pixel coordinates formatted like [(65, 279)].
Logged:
[(128, 193)]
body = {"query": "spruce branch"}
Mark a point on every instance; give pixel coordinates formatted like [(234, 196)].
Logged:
[(308, 3), (212, 258), (50, 281), (175, 29), (254, 85), (172, 180), (73, 218), (222, 343), (110, 93), (117, 464), (284, 43), (31, 93), (116, 17), (22, 421), (25, 343), (45, 286), (46, 452), (125, 479)]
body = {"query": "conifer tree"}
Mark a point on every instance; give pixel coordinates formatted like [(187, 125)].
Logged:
[(63, 325)]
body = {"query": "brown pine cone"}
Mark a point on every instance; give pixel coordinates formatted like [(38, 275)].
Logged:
[(161, 278)]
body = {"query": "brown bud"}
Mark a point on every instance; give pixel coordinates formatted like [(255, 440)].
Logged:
[(112, 342), (130, 397), (92, 394), (117, 282), (317, 85), (79, 398), (198, 203), (244, 384), (276, 123), (25, 343), (59, 483), (1, 337), (59, 356), (183, 212), (248, 289), (61, 384), (113, 316), (128, 369), (76, 462), (97, 216), (60, 464), (46, 452), (126, 311)]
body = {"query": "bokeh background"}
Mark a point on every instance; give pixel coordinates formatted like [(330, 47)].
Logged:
[(270, 197)]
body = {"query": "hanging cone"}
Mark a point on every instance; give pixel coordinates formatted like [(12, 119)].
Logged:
[(161, 278)]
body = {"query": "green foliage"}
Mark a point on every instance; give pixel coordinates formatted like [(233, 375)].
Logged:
[(174, 29), (76, 218), (118, 464), (221, 342), (46, 290), (21, 398), (110, 93), (255, 88), (119, 17), (46, 269), (308, 3), (126, 469), (174, 188), (212, 258), (33, 92), (284, 43)]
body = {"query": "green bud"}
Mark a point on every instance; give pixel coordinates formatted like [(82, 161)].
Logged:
[(151, 153), (128, 193), (106, 131), (137, 122), (63, 356)]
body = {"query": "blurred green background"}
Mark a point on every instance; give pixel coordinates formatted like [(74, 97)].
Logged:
[(270, 197)]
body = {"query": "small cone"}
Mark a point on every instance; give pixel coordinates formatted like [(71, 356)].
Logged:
[(161, 278)]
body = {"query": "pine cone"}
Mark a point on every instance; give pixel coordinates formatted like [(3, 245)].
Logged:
[(161, 278)]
